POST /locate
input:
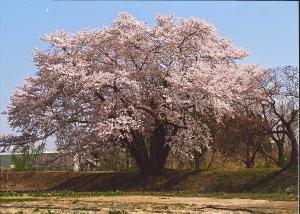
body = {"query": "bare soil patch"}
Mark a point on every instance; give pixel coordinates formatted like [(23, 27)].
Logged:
[(147, 205)]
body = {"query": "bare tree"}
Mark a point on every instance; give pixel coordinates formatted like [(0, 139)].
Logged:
[(242, 136), (280, 109)]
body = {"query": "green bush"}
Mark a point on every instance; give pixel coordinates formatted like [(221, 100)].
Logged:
[(20, 164)]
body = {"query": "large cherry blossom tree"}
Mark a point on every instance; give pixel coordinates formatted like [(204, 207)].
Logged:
[(131, 86)]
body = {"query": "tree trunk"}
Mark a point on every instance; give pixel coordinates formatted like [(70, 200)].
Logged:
[(198, 157), (293, 161), (281, 155), (159, 150), (248, 160), (127, 161), (150, 162), (139, 152), (212, 158), (249, 164), (197, 160)]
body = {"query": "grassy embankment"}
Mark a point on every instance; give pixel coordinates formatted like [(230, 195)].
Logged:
[(256, 183)]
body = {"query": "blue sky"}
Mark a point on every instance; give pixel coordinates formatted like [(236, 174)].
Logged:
[(269, 30)]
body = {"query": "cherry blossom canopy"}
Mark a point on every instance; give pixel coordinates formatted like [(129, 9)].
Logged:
[(130, 85)]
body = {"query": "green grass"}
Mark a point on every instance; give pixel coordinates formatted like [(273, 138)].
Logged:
[(117, 212), (254, 196), (12, 200), (75, 201), (65, 193), (10, 194)]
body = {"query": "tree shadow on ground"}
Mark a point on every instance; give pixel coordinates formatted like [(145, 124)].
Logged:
[(103, 182), (258, 180)]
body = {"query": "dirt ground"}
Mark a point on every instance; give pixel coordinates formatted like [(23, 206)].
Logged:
[(145, 205)]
